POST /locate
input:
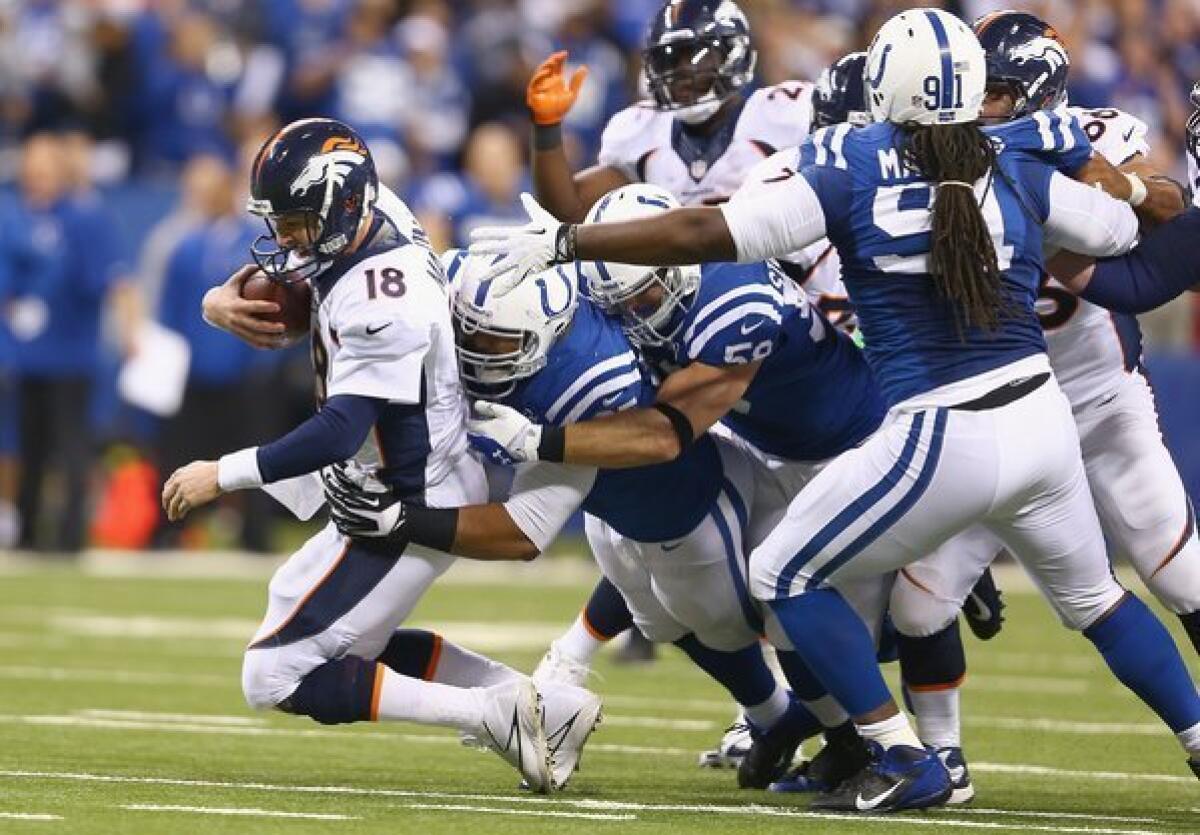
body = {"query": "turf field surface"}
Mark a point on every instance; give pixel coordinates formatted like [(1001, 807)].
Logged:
[(121, 711)]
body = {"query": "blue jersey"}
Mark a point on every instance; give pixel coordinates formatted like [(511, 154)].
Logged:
[(592, 371), (812, 398), (877, 214)]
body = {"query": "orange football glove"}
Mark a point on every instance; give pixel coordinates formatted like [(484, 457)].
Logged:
[(549, 95)]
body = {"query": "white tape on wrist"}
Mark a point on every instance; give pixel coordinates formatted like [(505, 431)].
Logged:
[(239, 470), (1137, 190)]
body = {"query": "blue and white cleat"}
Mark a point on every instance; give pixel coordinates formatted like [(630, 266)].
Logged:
[(960, 778), (903, 777), (733, 747)]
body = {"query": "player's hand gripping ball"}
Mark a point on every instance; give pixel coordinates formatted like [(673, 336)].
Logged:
[(294, 297)]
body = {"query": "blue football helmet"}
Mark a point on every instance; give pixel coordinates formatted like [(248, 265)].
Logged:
[(1025, 57), (316, 175), (839, 95), (698, 53)]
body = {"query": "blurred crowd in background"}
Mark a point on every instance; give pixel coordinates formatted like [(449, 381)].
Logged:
[(125, 131)]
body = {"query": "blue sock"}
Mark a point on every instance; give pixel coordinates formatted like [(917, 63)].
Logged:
[(743, 673), (606, 611), (409, 652), (800, 678), (1140, 652), (835, 644)]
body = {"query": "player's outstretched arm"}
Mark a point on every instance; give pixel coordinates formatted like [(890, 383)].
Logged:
[(224, 308), (690, 401), (1164, 198), (550, 97), (1157, 270)]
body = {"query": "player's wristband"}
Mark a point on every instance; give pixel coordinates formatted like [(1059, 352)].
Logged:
[(565, 243), (1137, 190), (553, 444), (547, 137), (239, 470), (433, 527), (680, 423)]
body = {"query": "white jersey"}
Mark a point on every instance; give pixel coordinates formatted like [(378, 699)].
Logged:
[(1089, 346), (651, 146), (817, 268), (383, 330)]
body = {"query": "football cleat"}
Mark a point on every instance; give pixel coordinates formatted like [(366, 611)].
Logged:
[(773, 750), (569, 715), (512, 727), (903, 777), (559, 668), (732, 748), (843, 755), (983, 608), (960, 778)]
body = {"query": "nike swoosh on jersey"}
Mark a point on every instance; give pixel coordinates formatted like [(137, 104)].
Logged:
[(1129, 134), (865, 805), (372, 331), (752, 328), (610, 400)]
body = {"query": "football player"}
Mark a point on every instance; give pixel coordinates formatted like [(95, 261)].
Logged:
[(1096, 356), (390, 404), (941, 239), (1193, 146), (669, 536), (698, 133)]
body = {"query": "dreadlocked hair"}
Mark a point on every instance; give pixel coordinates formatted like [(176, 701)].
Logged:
[(962, 258)]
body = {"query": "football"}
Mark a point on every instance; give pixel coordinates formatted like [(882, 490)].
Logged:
[(294, 299)]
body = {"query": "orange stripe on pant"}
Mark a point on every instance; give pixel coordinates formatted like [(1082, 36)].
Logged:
[(934, 688), (434, 657), (296, 610), (376, 690)]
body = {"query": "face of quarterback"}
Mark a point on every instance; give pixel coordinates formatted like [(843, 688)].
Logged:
[(998, 104), (295, 230)]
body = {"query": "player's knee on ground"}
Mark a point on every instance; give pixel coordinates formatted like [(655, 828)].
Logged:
[(337, 692), (266, 682)]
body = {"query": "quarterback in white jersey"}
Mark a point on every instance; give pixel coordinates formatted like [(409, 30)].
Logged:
[(390, 419)]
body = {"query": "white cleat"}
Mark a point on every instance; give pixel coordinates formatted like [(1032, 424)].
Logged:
[(512, 727), (570, 714), (560, 668), (733, 747)]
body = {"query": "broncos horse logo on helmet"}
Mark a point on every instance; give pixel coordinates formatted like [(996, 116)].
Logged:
[(698, 53), (314, 174), (839, 95), (1025, 57)]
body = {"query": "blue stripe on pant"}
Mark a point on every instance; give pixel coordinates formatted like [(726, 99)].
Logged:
[(352, 578), (733, 557), (860, 506)]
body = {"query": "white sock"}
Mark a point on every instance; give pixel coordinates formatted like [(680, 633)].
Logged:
[(404, 699), (937, 715), (460, 667), (767, 713), (828, 712), (889, 732), (1190, 740), (580, 642)]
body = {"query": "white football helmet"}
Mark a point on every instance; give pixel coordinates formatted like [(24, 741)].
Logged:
[(925, 66), (530, 316), (612, 285)]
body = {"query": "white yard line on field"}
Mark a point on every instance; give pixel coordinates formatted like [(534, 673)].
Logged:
[(753, 810), (1047, 771), (979, 810), (29, 816), (1021, 723), (194, 718), (138, 677), (499, 810), (254, 813)]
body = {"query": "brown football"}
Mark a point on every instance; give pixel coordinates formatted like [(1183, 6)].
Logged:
[(294, 300)]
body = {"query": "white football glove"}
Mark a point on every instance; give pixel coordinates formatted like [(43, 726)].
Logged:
[(502, 434), (524, 250)]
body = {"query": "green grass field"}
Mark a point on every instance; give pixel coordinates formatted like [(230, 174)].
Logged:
[(121, 711)]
